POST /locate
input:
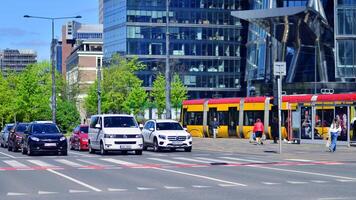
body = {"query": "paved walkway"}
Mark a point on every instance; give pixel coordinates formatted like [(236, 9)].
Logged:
[(301, 151)]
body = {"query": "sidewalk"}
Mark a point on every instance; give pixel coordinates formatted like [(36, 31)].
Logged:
[(300, 151)]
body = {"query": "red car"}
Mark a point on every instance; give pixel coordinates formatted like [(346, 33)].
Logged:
[(79, 138)]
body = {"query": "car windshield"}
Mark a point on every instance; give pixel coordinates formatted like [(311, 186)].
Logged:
[(45, 128), (21, 127), (84, 129), (119, 122), (169, 126), (8, 128)]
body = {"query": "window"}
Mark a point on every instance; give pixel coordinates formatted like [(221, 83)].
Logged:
[(21, 127), (84, 129), (45, 128), (250, 117), (195, 118), (122, 122), (94, 121), (168, 126)]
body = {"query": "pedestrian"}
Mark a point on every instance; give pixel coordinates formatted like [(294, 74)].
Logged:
[(274, 129), (258, 130), (215, 125), (334, 130)]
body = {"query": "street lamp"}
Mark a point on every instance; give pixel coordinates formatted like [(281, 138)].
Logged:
[(167, 72), (53, 98)]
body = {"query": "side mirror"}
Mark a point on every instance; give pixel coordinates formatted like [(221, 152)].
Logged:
[(151, 129), (141, 126), (98, 126), (185, 129)]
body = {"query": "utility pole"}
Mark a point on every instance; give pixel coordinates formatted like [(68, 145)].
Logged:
[(168, 73), (99, 85)]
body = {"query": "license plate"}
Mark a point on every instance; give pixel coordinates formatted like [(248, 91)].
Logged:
[(50, 144), (125, 146), (177, 142)]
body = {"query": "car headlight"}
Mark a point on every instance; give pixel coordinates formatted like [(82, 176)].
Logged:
[(35, 139), (62, 138), (109, 136), (139, 136), (162, 137), (189, 136)]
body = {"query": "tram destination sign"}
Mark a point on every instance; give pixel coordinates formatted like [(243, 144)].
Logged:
[(279, 69)]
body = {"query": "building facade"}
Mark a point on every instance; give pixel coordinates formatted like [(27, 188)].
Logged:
[(74, 32), (16, 60), (56, 54), (205, 41), (82, 65)]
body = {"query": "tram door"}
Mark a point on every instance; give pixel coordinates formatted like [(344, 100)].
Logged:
[(232, 123), (341, 115), (295, 125)]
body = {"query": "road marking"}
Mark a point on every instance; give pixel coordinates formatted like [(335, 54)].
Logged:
[(144, 188), (154, 154), (214, 160), (335, 198), (41, 163), (168, 161), (94, 163), (16, 164), (200, 186), (67, 162), (45, 192), (116, 190), (78, 191), (344, 181), (15, 194), (173, 187), (304, 172), (241, 159), (297, 182), (74, 180), (269, 183), (83, 155), (300, 160), (120, 162), (200, 176), (318, 181), (191, 160), (227, 185), (8, 155)]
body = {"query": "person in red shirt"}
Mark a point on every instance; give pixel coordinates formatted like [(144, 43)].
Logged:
[(258, 130)]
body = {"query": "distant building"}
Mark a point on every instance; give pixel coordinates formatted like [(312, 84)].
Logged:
[(75, 31), (81, 70), (56, 55), (16, 59), (101, 8)]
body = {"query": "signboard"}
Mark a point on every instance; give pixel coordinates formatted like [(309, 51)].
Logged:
[(279, 68)]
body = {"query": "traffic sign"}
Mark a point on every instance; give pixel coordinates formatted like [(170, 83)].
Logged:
[(279, 69)]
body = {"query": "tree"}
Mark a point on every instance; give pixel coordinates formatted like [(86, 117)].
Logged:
[(137, 101), (178, 93), (158, 94), (67, 115)]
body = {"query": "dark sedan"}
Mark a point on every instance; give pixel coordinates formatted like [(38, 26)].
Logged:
[(15, 137), (43, 137)]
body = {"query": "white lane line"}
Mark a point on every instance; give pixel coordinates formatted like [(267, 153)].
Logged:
[(15, 194), (15, 164), (45, 192), (297, 182), (74, 180), (200, 186), (227, 185), (215, 160), (200, 176), (270, 183), (335, 198), (173, 187), (145, 188), (154, 154), (300, 160), (83, 155), (116, 161), (191, 160), (304, 172), (241, 159), (116, 190), (41, 163), (345, 181), (8, 155), (168, 161), (94, 163), (318, 181), (77, 191), (69, 163)]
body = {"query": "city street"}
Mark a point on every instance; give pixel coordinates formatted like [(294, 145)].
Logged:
[(201, 174)]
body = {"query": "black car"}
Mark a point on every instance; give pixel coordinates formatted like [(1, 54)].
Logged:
[(15, 136), (43, 137)]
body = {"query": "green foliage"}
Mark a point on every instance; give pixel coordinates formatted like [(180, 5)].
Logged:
[(178, 93), (158, 94), (67, 115)]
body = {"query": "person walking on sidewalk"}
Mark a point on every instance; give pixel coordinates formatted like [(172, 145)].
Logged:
[(258, 130), (215, 124), (335, 130)]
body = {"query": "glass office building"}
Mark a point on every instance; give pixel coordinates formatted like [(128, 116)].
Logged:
[(205, 41)]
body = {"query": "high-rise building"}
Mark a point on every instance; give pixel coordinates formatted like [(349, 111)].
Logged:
[(101, 7), (74, 32), (16, 60), (205, 41), (56, 54)]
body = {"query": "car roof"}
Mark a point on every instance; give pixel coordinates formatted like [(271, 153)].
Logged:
[(113, 115), (165, 120), (9, 124), (42, 122)]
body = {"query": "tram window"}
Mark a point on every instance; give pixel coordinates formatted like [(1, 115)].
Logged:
[(250, 117), (194, 118), (223, 118), (185, 117), (323, 118)]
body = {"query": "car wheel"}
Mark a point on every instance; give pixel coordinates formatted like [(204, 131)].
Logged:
[(9, 148), (71, 146), (138, 152), (102, 150), (91, 151), (64, 153), (29, 151), (79, 147), (23, 150), (144, 146), (188, 149), (156, 148)]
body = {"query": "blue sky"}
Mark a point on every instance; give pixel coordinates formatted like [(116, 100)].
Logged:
[(25, 33)]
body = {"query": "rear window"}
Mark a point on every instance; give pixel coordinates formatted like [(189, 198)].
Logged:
[(84, 129), (8, 128), (120, 122), (168, 126), (45, 129), (21, 127)]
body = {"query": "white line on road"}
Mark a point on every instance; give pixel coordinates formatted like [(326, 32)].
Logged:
[(304, 172), (45, 192), (168, 161), (77, 191), (318, 181), (270, 183), (300, 160), (214, 160), (116, 190), (120, 162), (344, 181), (173, 187), (145, 188), (192, 160), (15, 164), (41, 163), (227, 185), (335, 198), (200, 186), (154, 154), (74, 180), (83, 155), (8, 155), (94, 163), (200, 176), (241, 159), (15, 194), (69, 163), (297, 182)]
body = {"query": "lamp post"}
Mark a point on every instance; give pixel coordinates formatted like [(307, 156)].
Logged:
[(167, 72), (53, 72)]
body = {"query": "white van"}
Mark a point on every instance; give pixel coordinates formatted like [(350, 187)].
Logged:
[(113, 132)]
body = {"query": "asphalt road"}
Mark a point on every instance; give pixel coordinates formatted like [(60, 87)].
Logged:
[(174, 175)]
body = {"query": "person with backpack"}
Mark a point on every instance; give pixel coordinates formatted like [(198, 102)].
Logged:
[(335, 130), (258, 130)]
